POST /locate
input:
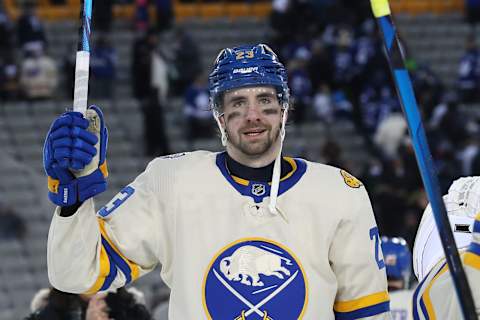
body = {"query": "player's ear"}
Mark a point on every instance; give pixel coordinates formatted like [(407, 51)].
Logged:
[(221, 120)]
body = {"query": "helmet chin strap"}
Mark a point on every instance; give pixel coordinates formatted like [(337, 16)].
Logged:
[(277, 169), (276, 166), (224, 137)]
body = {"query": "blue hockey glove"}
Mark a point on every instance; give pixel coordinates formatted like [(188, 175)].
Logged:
[(74, 157)]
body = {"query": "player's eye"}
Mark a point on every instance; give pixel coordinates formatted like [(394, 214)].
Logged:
[(265, 100), (238, 103)]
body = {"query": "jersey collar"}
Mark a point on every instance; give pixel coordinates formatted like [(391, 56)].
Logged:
[(258, 190)]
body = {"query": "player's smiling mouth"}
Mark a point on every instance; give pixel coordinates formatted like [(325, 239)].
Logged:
[(254, 132)]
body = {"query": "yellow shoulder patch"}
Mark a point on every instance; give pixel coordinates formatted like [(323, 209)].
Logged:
[(350, 180)]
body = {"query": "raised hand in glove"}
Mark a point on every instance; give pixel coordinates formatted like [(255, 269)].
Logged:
[(74, 157)]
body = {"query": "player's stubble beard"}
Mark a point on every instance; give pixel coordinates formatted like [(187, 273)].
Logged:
[(254, 149)]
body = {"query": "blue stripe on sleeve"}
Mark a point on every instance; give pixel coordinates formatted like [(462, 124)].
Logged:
[(118, 260), (364, 312), (424, 309), (111, 275), (474, 248), (476, 226)]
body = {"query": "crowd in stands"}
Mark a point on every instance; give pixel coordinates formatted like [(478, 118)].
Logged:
[(337, 72), (124, 304)]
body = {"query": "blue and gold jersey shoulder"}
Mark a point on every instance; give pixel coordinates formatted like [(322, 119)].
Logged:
[(259, 190)]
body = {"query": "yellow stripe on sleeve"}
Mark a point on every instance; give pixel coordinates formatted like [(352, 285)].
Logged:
[(133, 266), (472, 260), (380, 8), (367, 301), (104, 270), (426, 294)]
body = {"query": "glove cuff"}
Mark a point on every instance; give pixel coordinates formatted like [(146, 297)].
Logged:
[(78, 190), (65, 195)]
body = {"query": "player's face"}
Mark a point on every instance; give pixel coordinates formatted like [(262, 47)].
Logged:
[(252, 118)]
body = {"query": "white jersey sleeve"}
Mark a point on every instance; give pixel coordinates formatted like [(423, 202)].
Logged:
[(357, 261), (90, 252), (435, 296)]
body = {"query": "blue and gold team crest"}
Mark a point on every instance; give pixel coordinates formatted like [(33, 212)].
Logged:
[(255, 279)]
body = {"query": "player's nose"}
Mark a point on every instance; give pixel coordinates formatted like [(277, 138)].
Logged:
[(252, 112)]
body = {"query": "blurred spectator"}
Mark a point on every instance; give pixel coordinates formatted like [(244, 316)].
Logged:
[(187, 61), (141, 63), (38, 75), (448, 121), (11, 224), (390, 134), (320, 66), (377, 102), (151, 88), (30, 31), (165, 17), (469, 72), (300, 86), (141, 15), (197, 110), (472, 11), (103, 64), (124, 304), (343, 58), (9, 77), (153, 109), (278, 17), (428, 87), (6, 33), (102, 15), (331, 154), (323, 104)]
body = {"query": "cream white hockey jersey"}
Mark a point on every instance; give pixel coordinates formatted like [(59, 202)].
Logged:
[(435, 296), (401, 304), (223, 254)]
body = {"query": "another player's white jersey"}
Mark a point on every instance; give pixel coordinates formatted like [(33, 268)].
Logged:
[(401, 304), (435, 296), (223, 254)]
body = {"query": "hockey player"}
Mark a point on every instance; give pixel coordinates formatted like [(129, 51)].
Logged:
[(398, 261), (240, 234), (435, 296)]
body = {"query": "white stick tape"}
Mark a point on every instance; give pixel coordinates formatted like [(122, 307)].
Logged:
[(80, 94)]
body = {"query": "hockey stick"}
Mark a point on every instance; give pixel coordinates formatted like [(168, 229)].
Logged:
[(82, 63), (396, 60)]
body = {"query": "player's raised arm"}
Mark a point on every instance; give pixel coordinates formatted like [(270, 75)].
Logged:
[(89, 251), (357, 261)]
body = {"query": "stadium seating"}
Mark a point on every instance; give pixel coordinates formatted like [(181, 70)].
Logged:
[(434, 39)]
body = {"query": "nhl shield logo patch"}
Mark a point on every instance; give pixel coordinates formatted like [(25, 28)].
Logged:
[(255, 279), (258, 189)]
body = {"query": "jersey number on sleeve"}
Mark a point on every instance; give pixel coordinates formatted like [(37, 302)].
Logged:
[(120, 198), (374, 235)]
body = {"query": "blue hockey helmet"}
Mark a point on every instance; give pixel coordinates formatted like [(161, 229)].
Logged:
[(398, 258), (247, 66)]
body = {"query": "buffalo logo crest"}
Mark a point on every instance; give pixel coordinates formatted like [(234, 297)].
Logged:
[(255, 279)]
